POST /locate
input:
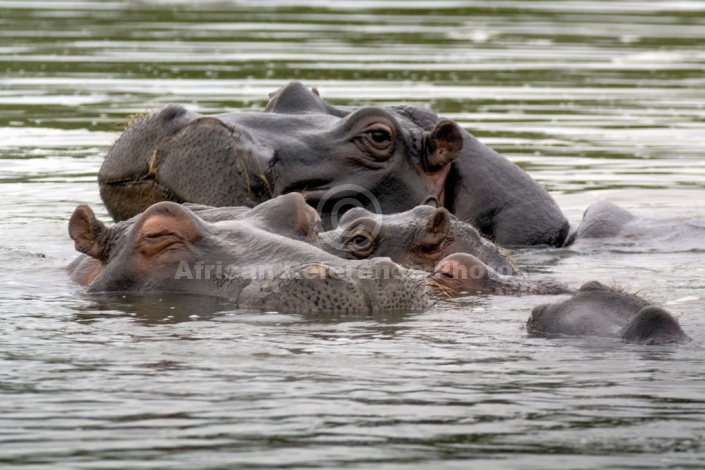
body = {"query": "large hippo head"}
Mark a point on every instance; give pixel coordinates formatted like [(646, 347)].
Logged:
[(385, 159), (298, 144), (419, 237), (169, 248)]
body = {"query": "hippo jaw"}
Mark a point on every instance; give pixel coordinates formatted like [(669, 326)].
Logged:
[(177, 155), (374, 287)]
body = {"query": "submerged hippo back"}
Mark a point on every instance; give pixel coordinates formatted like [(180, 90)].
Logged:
[(597, 310)]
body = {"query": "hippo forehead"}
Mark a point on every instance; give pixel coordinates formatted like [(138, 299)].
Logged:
[(295, 98), (356, 213), (418, 214)]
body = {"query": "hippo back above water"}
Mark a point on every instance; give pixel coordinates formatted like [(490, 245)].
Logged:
[(386, 159), (598, 310)]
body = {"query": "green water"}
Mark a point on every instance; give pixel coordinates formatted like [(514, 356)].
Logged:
[(596, 99)]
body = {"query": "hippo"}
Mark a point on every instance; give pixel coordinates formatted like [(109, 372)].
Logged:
[(605, 225), (169, 248), (286, 215), (385, 159), (598, 310), (462, 274), (420, 237)]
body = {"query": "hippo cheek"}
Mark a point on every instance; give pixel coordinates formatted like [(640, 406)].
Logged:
[(223, 168)]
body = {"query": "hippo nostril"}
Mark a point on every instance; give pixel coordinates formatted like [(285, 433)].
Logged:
[(445, 270)]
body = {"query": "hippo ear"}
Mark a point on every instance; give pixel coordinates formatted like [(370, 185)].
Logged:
[(431, 201), (295, 98), (87, 231), (445, 142), (593, 285), (437, 229), (288, 215), (654, 325)]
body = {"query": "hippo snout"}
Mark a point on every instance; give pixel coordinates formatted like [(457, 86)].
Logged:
[(377, 285)]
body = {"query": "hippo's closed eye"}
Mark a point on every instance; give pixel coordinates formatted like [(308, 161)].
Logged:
[(153, 243), (165, 227)]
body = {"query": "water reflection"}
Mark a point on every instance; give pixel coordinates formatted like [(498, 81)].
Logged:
[(153, 309)]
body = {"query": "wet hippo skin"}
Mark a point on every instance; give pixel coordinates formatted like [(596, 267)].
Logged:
[(387, 159)]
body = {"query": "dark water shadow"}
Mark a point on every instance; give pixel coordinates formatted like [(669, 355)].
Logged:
[(153, 309), (168, 308)]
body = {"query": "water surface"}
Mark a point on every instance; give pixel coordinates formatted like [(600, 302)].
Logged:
[(597, 100)]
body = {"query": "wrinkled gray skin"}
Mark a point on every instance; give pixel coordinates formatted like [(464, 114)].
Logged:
[(287, 215), (395, 156), (597, 310), (169, 248), (420, 237), (605, 226), (463, 274)]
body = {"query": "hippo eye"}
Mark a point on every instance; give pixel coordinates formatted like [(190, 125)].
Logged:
[(361, 241), (377, 140), (360, 245), (380, 136)]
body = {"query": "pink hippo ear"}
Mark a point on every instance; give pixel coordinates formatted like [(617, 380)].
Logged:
[(86, 231), (445, 142)]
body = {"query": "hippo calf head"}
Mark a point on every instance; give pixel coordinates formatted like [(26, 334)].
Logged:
[(169, 248), (420, 237)]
